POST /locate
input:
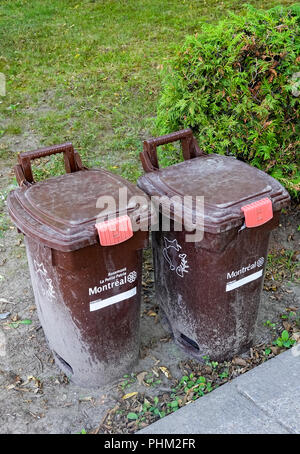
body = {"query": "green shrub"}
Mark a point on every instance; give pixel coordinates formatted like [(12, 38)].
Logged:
[(236, 85)]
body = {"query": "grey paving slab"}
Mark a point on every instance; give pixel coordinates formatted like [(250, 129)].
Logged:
[(264, 400), (274, 387)]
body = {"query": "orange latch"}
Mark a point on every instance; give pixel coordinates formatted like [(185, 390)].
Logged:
[(258, 213), (114, 231)]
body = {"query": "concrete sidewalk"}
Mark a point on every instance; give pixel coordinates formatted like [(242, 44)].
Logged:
[(265, 400)]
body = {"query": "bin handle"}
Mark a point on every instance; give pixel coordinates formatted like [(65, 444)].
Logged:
[(190, 148), (23, 170)]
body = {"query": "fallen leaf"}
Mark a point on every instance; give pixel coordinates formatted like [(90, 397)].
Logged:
[(207, 369), (275, 350), (165, 339), (129, 395), (85, 399), (296, 337), (166, 372), (156, 360), (152, 314), (155, 371), (140, 377), (239, 362), (286, 325)]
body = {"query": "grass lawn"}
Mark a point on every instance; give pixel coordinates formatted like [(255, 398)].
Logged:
[(89, 72)]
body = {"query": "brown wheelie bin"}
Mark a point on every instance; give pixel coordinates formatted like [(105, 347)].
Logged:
[(209, 288), (85, 264)]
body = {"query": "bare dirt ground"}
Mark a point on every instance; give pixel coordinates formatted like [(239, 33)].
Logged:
[(35, 397)]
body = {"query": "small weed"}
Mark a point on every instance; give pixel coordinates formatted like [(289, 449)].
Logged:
[(224, 374), (284, 340), (208, 362), (270, 325), (199, 385), (150, 380), (288, 316), (291, 316), (129, 380)]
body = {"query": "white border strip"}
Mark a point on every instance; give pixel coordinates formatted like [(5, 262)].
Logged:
[(99, 304), (235, 284)]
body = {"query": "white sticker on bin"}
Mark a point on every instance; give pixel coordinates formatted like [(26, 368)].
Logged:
[(235, 284), (99, 304)]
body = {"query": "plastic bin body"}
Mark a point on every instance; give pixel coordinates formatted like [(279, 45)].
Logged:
[(92, 346), (209, 290), (210, 312), (87, 295)]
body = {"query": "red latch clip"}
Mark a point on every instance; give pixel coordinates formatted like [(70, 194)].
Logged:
[(258, 213), (114, 231)]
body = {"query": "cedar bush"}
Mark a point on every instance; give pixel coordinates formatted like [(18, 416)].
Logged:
[(237, 85)]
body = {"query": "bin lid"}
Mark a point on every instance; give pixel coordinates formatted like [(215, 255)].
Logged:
[(62, 211), (226, 184)]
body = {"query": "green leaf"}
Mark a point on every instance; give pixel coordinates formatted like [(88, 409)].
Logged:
[(25, 322), (287, 344), (20, 322), (132, 416), (285, 335), (174, 404), (201, 380)]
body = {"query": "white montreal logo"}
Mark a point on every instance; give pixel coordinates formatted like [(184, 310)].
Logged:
[(113, 281), (258, 263)]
